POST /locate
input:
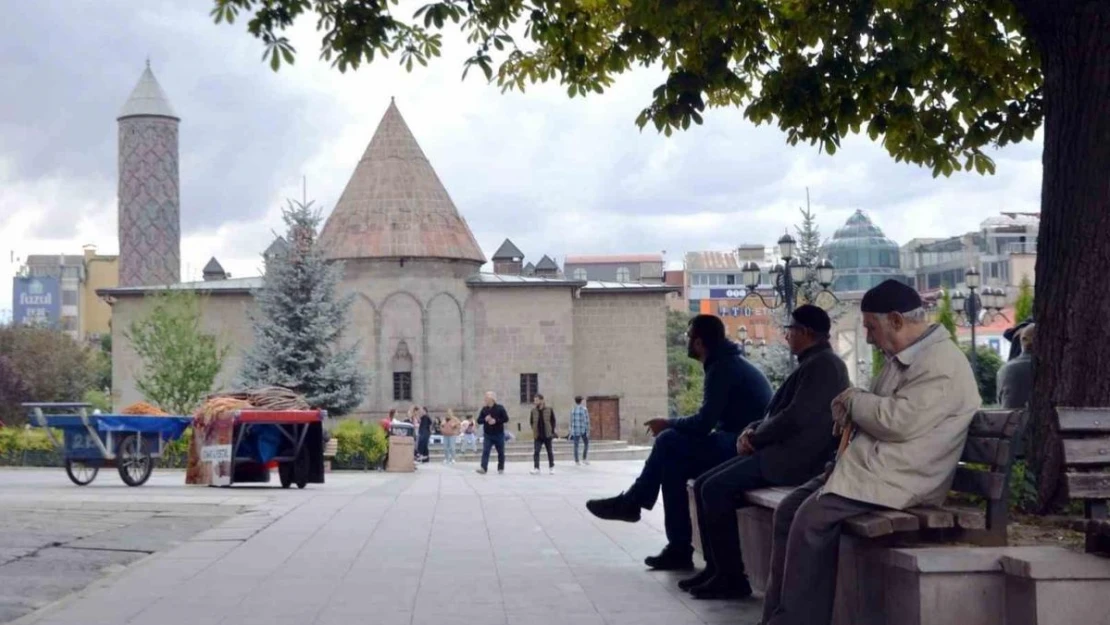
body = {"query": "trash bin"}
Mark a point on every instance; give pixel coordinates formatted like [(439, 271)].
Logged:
[(402, 447)]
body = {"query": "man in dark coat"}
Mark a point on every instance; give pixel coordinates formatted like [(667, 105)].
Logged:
[(736, 393), (788, 447)]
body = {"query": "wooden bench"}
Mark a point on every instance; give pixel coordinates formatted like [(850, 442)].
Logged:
[(984, 474), (1085, 433)]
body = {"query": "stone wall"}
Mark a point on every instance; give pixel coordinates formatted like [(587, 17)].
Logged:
[(149, 202), (619, 350), (224, 315), (523, 330)]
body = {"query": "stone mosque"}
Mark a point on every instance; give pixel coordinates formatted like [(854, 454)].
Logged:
[(433, 328)]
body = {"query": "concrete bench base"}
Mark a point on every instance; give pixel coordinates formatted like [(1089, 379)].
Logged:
[(945, 585)]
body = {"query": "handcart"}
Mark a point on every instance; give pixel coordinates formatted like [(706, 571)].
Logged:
[(238, 446), (92, 441)]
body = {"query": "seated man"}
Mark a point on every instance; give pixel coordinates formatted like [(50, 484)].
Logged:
[(788, 447), (1015, 378), (735, 394), (907, 436)]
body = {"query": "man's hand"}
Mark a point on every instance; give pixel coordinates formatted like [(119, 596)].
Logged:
[(489, 419), (841, 410), (655, 426), (744, 445)]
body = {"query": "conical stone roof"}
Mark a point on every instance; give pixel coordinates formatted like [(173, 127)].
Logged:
[(395, 206), (147, 99)]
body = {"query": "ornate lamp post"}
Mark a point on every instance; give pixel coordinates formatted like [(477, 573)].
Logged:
[(970, 306), (742, 339), (788, 278)]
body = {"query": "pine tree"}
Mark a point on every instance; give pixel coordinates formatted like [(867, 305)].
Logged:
[(299, 321), (945, 316), (1023, 307), (809, 251)]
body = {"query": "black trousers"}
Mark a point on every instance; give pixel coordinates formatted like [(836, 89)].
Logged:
[(715, 494), (422, 445), (805, 551), (542, 442)]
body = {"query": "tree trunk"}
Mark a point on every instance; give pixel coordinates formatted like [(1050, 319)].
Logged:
[(1072, 351)]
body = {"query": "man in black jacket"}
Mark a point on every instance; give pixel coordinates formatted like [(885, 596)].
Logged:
[(788, 447), (493, 418), (736, 393)]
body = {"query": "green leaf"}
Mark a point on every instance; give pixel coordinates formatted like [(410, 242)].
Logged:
[(275, 59)]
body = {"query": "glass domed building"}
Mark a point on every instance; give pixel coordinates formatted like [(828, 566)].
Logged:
[(862, 255)]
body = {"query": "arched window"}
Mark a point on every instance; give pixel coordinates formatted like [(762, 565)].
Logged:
[(580, 273), (402, 373), (623, 275)]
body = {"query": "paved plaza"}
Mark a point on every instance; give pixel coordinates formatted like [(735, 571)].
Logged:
[(442, 546)]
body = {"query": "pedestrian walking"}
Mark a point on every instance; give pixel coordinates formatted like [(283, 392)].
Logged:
[(580, 429), (425, 430), (449, 430), (493, 417), (543, 432)]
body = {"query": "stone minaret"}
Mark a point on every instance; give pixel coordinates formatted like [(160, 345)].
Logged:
[(149, 197)]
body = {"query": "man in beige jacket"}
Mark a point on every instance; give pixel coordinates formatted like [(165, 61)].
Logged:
[(908, 434)]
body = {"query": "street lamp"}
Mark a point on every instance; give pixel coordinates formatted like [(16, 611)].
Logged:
[(742, 334), (973, 304), (788, 277), (762, 348)]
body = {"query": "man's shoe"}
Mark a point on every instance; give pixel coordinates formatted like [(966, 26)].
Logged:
[(704, 576), (501, 471), (535, 471), (551, 471), (722, 588), (672, 559), (619, 508), (480, 471)]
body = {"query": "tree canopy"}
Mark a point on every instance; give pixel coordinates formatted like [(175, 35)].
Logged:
[(939, 81)]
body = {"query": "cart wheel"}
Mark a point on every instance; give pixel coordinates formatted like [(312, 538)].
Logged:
[(300, 469), (80, 473), (285, 474), (135, 465)]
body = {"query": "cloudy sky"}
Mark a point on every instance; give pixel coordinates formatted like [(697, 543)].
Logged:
[(558, 176)]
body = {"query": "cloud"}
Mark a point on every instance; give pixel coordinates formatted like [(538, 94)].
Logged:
[(559, 176)]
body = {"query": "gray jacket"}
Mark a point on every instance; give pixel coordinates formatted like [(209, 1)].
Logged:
[(1015, 382), (795, 440)]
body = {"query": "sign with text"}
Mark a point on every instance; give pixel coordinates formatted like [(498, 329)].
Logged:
[(36, 301), (737, 292)]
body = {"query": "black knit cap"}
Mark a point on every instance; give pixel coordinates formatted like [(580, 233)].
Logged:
[(890, 296), (812, 317)]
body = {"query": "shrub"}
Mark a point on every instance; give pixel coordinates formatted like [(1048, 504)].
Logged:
[(359, 443), (99, 399), (20, 440)]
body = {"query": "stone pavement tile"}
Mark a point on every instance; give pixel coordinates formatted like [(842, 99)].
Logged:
[(444, 614), (554, 617), (202, 550), (337, 616), (669, 617)]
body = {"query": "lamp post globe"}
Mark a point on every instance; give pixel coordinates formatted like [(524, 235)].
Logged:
[(787, 247)]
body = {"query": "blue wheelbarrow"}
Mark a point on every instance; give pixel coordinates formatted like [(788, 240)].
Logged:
[(93, 441)]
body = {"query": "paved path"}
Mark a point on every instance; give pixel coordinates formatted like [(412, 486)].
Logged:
[(443, 546)]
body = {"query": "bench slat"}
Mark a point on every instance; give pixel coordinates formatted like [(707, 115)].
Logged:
[(987, 484), (900, 521), (981, 449), (1087, 451), (870, 525), (768, 497), (1083, 419), (1089, 485), (968, 518), (933, 518), (996, 423)]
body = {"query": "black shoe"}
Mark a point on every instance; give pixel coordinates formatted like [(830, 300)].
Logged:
[(696, 580), (723, 588), (618, 508), (672, 559)]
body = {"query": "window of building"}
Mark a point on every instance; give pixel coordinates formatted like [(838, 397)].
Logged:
[(580, 273), (529, 386), (730, 278), (69, 324), (623, 275), (402, 386), (69, 298)]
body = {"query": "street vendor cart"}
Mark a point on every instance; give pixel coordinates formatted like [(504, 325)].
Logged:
[(91, 441), (239, 446)]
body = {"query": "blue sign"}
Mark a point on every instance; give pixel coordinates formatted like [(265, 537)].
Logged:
[(736, 292), (36, 301)]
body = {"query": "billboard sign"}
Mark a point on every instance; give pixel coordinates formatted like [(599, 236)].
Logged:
[(737, 292), (36, 301)]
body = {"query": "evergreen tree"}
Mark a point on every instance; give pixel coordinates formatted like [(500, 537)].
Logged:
[(809, 236), (1023, 307), (299, 321), (945, 316)]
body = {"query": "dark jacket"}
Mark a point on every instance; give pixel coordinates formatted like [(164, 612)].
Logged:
[(497, 411), (425, 425), (542, 428), (735, 394), (1015, 382), (795, 440)]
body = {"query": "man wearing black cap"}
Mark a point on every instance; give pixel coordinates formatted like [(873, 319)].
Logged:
[(735, 394), (907, 435), (787, 447)]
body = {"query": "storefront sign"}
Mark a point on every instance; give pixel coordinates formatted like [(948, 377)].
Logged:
[(36, 301)]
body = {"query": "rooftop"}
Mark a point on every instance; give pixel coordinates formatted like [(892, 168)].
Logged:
[(147, 99), (508, 251), (231, 285), (394, 205), (712, 261)]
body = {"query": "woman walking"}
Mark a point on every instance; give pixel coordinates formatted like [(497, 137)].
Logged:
[(425, 430)]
